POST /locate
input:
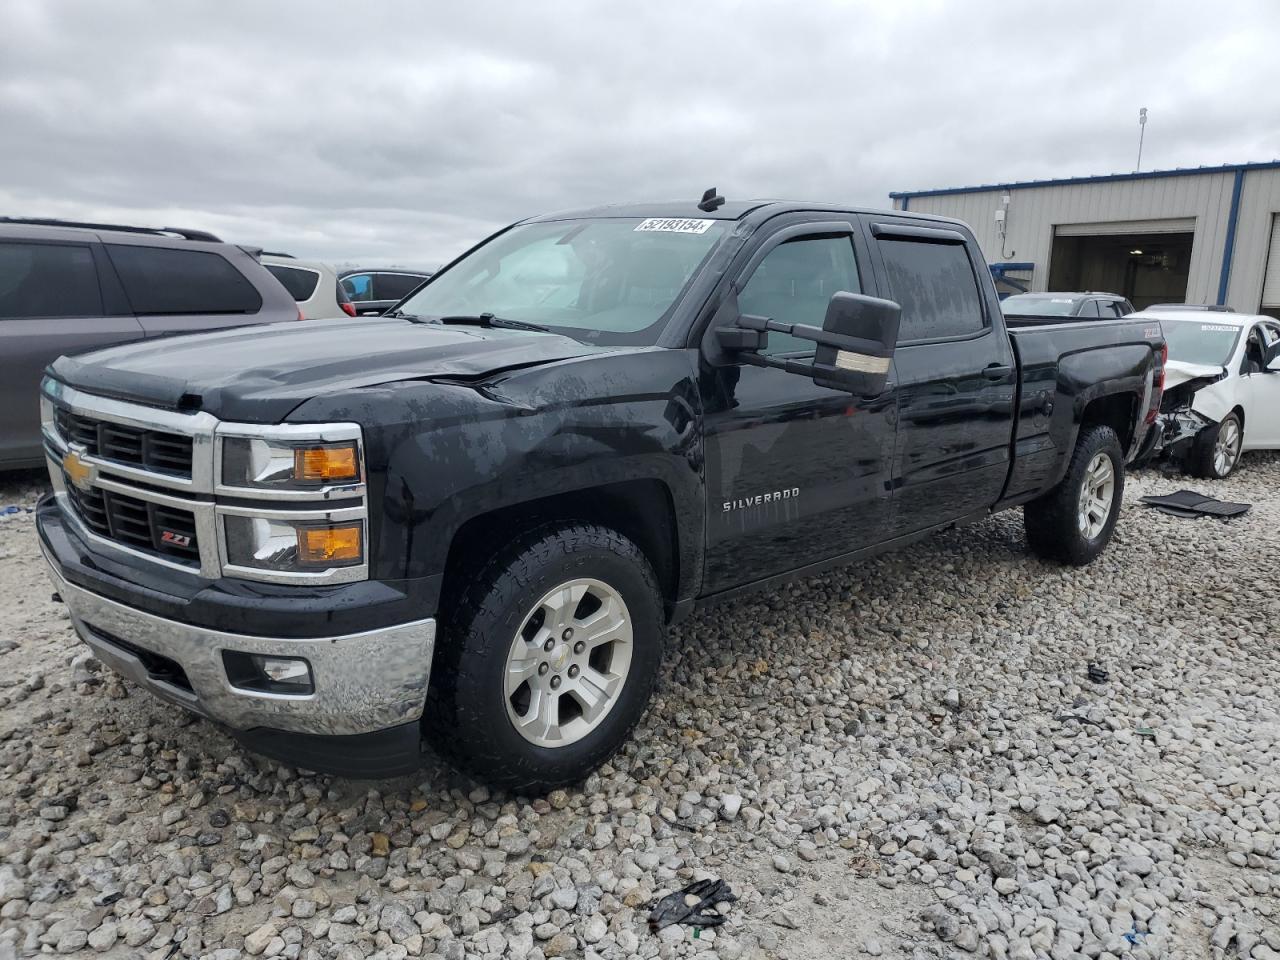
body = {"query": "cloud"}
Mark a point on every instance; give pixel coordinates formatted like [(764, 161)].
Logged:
[(405, 132)]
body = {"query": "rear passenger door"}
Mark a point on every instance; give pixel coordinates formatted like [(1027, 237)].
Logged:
[(953, 373), (176, 290), (51, 303)]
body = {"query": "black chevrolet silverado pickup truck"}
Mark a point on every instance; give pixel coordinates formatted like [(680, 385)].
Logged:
[(470, 522)]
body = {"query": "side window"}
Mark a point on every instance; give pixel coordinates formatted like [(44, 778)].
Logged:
[(1089, 310), (394, 286), (300, 283), (795, 282), (1255, 351), (359, 286), (1114, 308), (161, 280), (935, 286), (48, 280)]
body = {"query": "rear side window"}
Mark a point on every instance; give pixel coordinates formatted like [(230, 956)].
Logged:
[(359, 286), (394, 286), (935, 286), (161, 280), (300, 283), (1090, 309), (48, 280)]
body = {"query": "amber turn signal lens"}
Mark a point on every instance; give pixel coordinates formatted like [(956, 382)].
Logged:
[(326, 464), (327, 545)]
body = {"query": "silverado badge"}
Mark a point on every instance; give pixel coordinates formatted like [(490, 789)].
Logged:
[(77, 471)]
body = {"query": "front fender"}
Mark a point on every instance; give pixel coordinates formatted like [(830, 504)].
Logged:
[(442, 453)]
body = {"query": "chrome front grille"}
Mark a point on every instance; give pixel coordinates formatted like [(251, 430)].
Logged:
[(160, 450), (148, 482), (166, 531)]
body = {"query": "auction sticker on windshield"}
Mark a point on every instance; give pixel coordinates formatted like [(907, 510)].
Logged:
[(1216, 328), (673, 225)]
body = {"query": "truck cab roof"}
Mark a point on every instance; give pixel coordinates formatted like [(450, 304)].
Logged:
[(754, 211)]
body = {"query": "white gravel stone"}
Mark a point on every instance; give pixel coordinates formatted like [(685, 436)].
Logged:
[(914, 733)]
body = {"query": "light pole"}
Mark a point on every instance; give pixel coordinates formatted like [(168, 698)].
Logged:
[(1142, 129)]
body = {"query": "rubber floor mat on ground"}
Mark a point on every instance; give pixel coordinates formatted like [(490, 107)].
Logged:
[(1189, 503)]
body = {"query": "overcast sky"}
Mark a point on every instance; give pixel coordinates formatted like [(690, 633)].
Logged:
[(403, 132)]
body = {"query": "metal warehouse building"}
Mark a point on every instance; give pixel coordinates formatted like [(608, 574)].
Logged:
[(1206, 235)]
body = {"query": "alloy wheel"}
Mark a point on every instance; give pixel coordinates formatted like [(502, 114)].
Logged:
[(568, 662), (1097, 495)]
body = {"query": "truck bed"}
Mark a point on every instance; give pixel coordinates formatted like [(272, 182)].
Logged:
[(1064, 368)]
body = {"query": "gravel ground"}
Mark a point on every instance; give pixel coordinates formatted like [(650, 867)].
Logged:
[(901, 759)]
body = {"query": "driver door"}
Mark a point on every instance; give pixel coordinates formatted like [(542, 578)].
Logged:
[(1260, 388), (795, 473)]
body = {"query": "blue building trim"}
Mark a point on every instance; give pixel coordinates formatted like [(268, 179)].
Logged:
[(1237, 168), (1229, 247), (999, 273), (906, 201)]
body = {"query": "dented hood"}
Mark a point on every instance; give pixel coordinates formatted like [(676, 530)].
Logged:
[(259, 374), (1179, 371)]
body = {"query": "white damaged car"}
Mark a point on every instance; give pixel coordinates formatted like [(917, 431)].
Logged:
[(1221, 388)]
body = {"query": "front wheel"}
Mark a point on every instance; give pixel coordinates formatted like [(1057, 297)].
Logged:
[(1074, 521), (548, 659), (1217, 448)]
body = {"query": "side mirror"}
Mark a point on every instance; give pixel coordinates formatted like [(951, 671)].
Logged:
[(865, 332), (855, 344), (1273, 366)]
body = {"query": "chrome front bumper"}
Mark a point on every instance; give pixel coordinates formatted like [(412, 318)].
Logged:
[(364, 682)]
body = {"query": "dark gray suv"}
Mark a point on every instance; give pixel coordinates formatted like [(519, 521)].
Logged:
[(71, 287)]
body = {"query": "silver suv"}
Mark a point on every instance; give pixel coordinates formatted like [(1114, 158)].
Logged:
[(69, 287)]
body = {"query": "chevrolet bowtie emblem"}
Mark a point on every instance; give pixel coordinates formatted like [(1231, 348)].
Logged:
[(77, 471)]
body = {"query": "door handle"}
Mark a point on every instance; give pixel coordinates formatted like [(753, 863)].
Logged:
[(997, 371)]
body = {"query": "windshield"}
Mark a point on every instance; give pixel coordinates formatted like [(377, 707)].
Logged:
[(610, 281), (1039, 306), (1194, 341)]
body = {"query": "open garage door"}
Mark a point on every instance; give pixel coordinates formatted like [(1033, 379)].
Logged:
[(1146, 266)]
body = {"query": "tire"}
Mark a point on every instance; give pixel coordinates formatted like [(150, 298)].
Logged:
[(522, 598), (1057, 528), (1216, 452)]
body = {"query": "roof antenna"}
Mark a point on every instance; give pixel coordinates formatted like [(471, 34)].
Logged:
[(711, 201)]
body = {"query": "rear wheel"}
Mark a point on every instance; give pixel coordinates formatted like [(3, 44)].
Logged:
[(549, 659), (1074, 522), (1217, 448)]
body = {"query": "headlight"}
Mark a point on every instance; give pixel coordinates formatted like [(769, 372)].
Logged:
[(47, 421), (254, 462), (293, 546)]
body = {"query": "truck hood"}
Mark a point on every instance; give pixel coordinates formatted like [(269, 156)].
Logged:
[(259, 374), (1179, 371)]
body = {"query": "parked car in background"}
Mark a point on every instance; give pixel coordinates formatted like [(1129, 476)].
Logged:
[(314, 286), (67, 287), (374, 292), (499, 498), (1222, 388), (1202, 307), (1057, 307)]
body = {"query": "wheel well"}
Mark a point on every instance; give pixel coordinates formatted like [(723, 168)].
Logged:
[(1118, 411), (640, 510)]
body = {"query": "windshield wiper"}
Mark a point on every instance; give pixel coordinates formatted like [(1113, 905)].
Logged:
[(411, 317), (489, 320)]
